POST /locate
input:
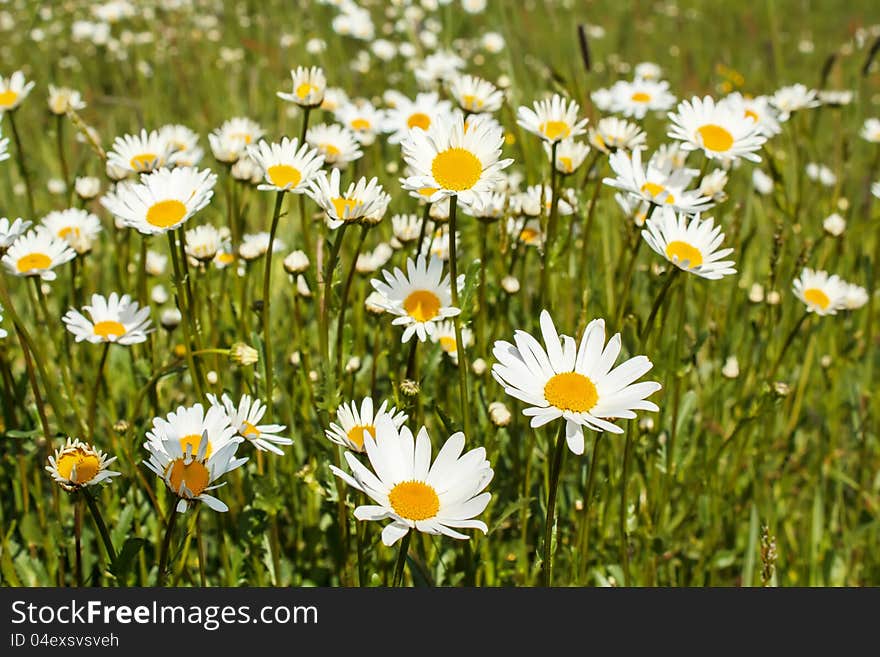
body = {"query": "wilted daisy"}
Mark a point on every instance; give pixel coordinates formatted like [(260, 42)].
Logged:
[(62, 99), (309, 85), (552, 119), (475, 95), (163, 200), (13, 91), (245, 419), (635, 99), (716, 129), (288, 166), (362, 199), (418, 114), (139, 153), (37, 253), (113, 319), (296, 262), (78, 464), (794, 98), (420, 298), (336, 143), (353, 424), (11, 231), (78, 227), (823, 294), (362, 119), (454, 161), (573, 382), (654, 185), (689, 243), (411, 491), (444, 335)]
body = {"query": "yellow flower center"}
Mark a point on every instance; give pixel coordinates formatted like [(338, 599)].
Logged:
[(87, 465), (360, 124), (246, 137), (655, 190), (165, 214), (284, 176), (194, 476), (565, 164), (33, 261), (571, 391), (427, 192), (419, 120), (447, 343), (422, 305), (751, 114), (414, 500), (330, 151), (343, 204), (67, 230), (529, 235), (108, 327), (817, 297), (715, 138), (250, 431), (142, 161), (554, 130), (8, 98), (456, 169), (225, 258), (356, 434), (193, 440), (302, 91), (641, 97), (681, 252), (471, 102)]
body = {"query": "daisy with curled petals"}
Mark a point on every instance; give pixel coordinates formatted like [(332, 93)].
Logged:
[(352, 424), (113, 319), (475, 95), (245, 419), (11, 231), (794, 98), (653, 184), (822, 294), (336, 143), (689, 243), (553, 119), (420, 298), (635, 99), (720, 131), (78, 464), (573, 382), (454, 161), (416, 114), (77, 227), (139, 153), (309, 85), (412, 492), (37, 253), (361, 200), (163, 200), (13, 91), (288, 166)]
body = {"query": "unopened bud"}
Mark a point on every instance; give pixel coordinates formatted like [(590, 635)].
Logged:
[(499, 414)]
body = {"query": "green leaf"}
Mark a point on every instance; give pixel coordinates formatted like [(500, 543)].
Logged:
[(124, 560)]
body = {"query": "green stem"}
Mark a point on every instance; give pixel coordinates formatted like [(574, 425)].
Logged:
[(166, 543), (401, 557), (658, 301), (200, 548), (102, 527), (426, 218), (456, 320), (306, 232), (93, 399), (551, 227), (77, 540), (788, 340), (624, 480), (181, 301), (22, 167), (267, 334), (588, 496), (59, 142), (555, 470), (346, 288)]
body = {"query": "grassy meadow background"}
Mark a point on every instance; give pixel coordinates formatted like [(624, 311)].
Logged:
[(724, 458)]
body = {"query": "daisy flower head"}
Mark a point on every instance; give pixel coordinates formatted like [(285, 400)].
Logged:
[(111, 319), (352, 424), (528, 231), (204, 242), (475, 95), (336, 143), (454, 161), (717, 129), (444, 335), (538, 199), (652, 184), (163, 200), (245, 418), (334, 98), (420, 298), (871, 130), (689, 243), (77, 227), (182, 144), (758, 109), (255, 245), (412, 492), (362, 200), (418, 114), (794, 98), (288, 166), (438, 67), (139, 153), (487, 207), (13, 91), (77, 464), (647, 71), (309, 85), (408, 227), (362, 119), (822, 294), (552, 119), (11, 231), (570, 155), (574, 382), (241, 128), (62, 100), (37, 253), (635, 99), (856, 297)]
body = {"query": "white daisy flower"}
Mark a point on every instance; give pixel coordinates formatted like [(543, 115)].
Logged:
[(182, 144), (204, 242), (689, 243), (794, 98), (77, 227), (63, 99), (87, 187), (552, 119), (635, 99), (528, 231), (475, 95), (573, 382), (871, 130), (139, 153), (37, 253), (487, 207), (420, 298), (288, 166), (418, 114), (364, 120), (412, 492), (717, 129), (241, 128), (334, 98), (11, 231), (856, 297), (163, 200), (309, 86), (438, 67), (538, 199), (352, 424), (822, 294), (13, 91), (570, 155), (113, 319), (408, 227), (255, 245), (245, 419), (362, 199), (336, 143), (77, 464), (647, 71), (653, 184), (758, 109), (444, 335)]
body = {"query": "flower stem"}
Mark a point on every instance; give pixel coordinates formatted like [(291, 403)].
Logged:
[(627, 457), (401, 557), (588, 496), (551, 227), (267, 334), (102, 527), (484, 304), (343, 299), (306, 233), (555, 470), (93, 399), (22, 167), (200, 549), (181, 301), (658, 301), (77, 540), (456, 320), (166, 543), (326, 285), (788, 340), (426, 217), (62, 158)]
